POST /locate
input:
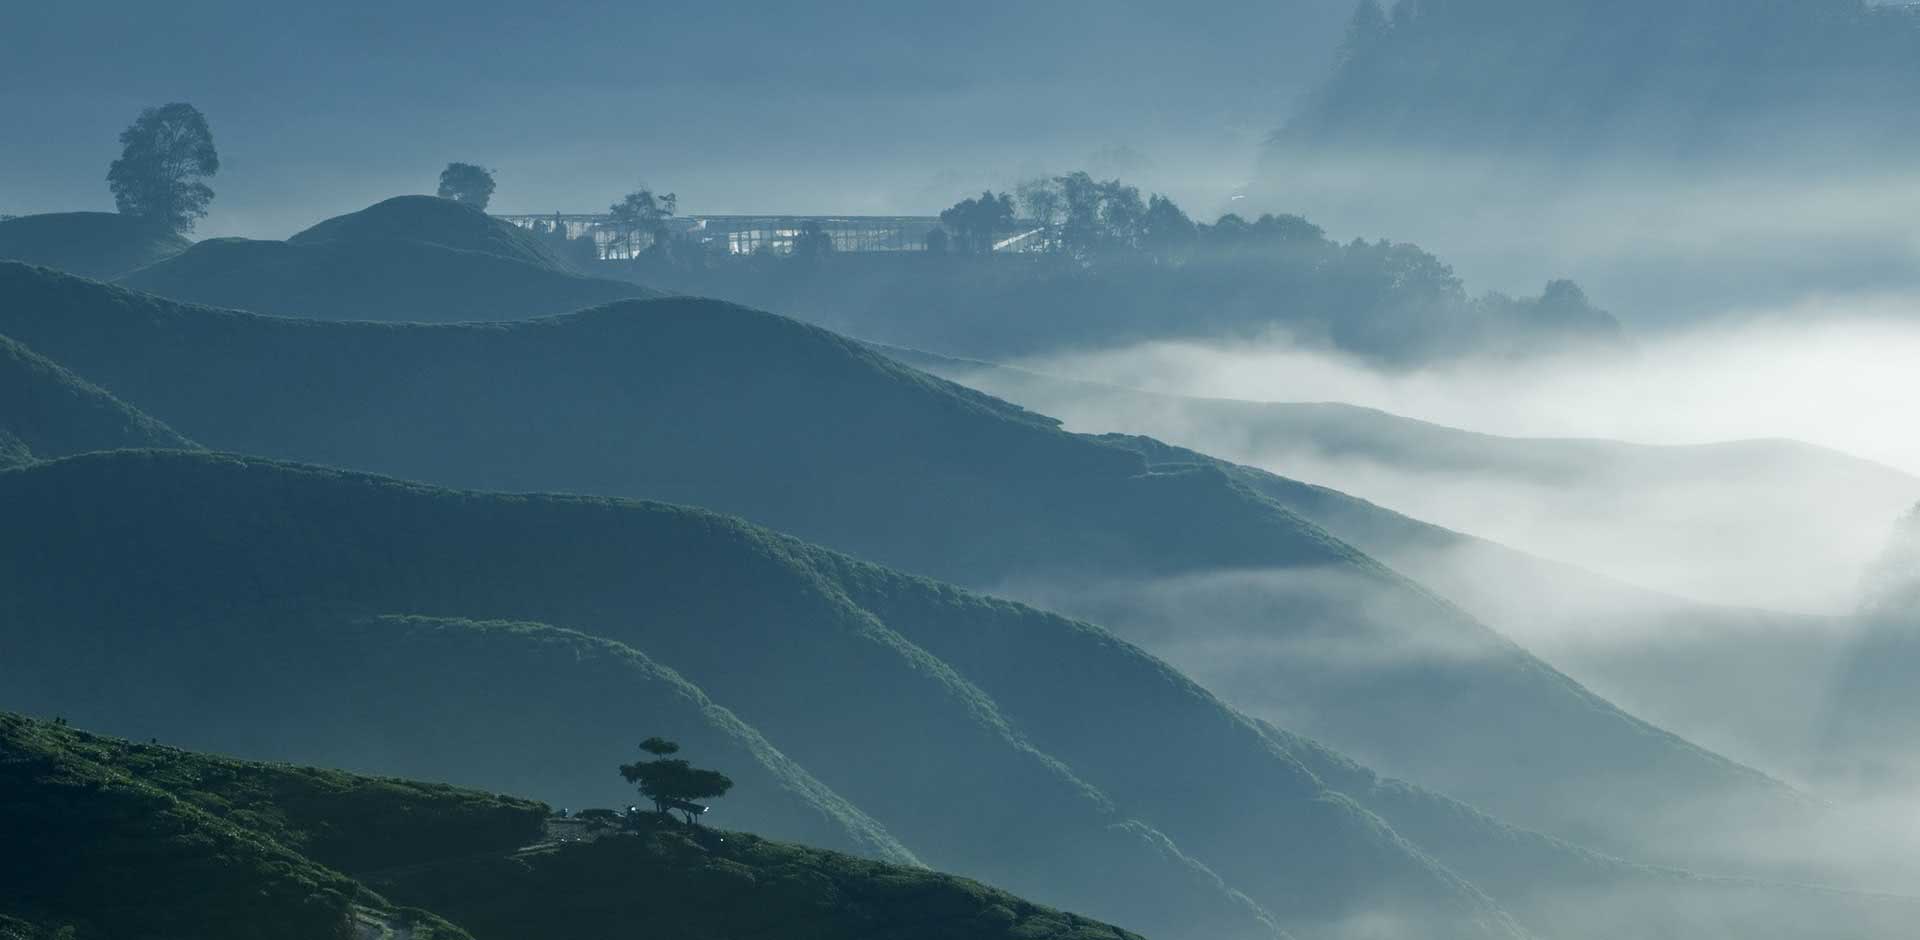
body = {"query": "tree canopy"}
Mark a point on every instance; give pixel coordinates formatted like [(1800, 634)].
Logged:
[(165, 157), (813, 242), (974, 221), (642, 212), (467, 184), (668, 780)]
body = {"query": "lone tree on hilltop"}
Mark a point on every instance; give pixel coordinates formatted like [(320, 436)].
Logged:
[(165, 156), (672, 783), (467, 184)]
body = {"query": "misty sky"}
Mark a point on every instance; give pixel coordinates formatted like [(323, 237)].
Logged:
[(845, 107), (825, 106)]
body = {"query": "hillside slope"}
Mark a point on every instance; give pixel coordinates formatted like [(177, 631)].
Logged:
[(434, 221), (790, 426), (131, 840), (509, 707), (108, 839), (1874, 714), (48, 412), (1675, 661), (1672, 660), (100, 245), (371, 279), (750, 617), (1639, 513), (243, 630), (684, 882)]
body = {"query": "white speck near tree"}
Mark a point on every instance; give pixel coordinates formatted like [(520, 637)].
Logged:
[(165, 158), (467, 184)]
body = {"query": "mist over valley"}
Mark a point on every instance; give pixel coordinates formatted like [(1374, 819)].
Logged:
[(1309, 470)]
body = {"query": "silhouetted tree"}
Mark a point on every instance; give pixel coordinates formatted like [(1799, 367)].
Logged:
[(467, 184), (812, 243), (1563, 305), (975, 221), (166, 154), (1042, 201), (1122, 217), (669, 781), (937, 242), (1166, 233), (1080, 213), (642, 212)]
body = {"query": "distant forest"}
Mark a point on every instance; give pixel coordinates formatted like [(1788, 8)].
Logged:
[(1104, 264), (1600, 76)]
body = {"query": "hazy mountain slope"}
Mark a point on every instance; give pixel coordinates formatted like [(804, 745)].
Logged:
[(1672, 660), (1013, 648), (102, 245), (132, 840), (218, 629), (48, 412), (13, 451), (371, 279), (435, 221), (114, 840), (747, 615), (698, 883), (832, 441), (1676, 519), (511, 707), (1675, 661), (1875, 713)]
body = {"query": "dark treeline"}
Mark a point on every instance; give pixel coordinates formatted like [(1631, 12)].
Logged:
[(1072, 261), (1577, 77)]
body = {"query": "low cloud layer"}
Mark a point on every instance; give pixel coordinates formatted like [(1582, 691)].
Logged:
[(1773, 524)]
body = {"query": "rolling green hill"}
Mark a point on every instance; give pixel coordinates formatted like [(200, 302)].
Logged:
[(108, 839), (791, 426), (1007, 792), (233, 610), (371, 279), (698, 883), (512, 707), (435, 221), (102, 245), (48, 412), (410, 258), (125, 840)]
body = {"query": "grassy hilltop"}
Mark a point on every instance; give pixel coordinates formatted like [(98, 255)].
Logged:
[(298, 613), (248, 583), (412, 258), (47, 412), (791, 426), (102, 245), (113, 839)]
